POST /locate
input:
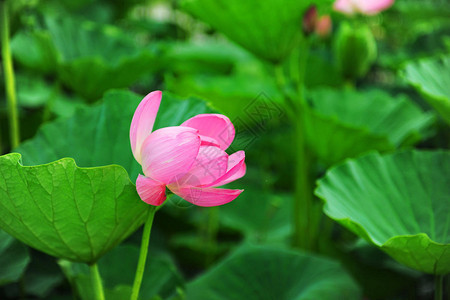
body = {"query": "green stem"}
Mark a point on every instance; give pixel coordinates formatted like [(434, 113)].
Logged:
[(303, 201), (304, 221), (298, 70), (9, 77), (143, 254), (349, 84), (96, 282), (438, 291), (279, 76), (282, 85)]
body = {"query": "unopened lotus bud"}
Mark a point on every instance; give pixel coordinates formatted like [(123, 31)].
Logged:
[(309, 20), (355, 50)]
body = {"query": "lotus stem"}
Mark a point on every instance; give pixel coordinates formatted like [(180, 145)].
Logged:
[(143, 253), (279, 76), (97, 282), (9, 77), (439, 287), (304, 212), (303, 201), (303, 220)]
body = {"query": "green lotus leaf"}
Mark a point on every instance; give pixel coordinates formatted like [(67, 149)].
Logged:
[(33, 91), (233, 94), (399, 202), (14, 258), (209, 57), (104, 137), (66, 211), (342, 124), (107, 11), (35, 50), (88, 58), (272, 273), (270, 29), (431, 77)]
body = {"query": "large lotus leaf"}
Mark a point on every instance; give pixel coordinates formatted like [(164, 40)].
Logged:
[(234, 95), (14, 258), (346, 123), (270, 29), (431, 77), (72, 5), (35, 50), (272, 273), (66, 106), (33, 91), (117, 268), (77, 39), (95, 59), (88, 58), (91, 77), (99, 10), (99, 135), (206, 57), (66, 211), (400, 202)]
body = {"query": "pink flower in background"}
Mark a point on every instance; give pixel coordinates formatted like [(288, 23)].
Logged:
[(312, 22), (366, 7), (189, 159), (324, 26)]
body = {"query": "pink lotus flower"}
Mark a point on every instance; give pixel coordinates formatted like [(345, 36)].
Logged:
[(189, 159), (365, 7), (323, 26)]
